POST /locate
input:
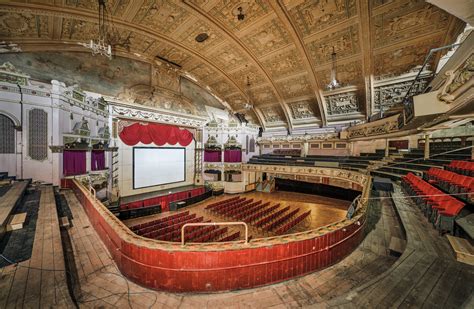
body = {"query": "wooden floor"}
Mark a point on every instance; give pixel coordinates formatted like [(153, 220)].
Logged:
[(426, 274), (41, 279), (324, 210)]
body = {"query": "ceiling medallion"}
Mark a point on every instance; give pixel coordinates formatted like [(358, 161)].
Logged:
[(201, 37)]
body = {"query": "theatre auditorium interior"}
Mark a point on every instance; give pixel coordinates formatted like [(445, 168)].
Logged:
[(237, 154)]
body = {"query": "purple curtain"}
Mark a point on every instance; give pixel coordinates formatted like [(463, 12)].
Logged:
[(74, 162), (97, 160), (233, 155), (212, 156)]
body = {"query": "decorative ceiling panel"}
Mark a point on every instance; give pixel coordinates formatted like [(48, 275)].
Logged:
[(345, 43), (272, 114), (240, 76), (228, 57), (295, 87), (236, 100), (188, 36), (283, 64), (267, 38), (411, 19), (23, 25), (161, 16), (347, 74), (226, 12), (92, 5), (403, 59), (317, 15), (302, 110), (263, 95), (80, 30), (172, 54)]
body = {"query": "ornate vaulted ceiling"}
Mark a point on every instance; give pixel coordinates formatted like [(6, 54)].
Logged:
[(283, 46)]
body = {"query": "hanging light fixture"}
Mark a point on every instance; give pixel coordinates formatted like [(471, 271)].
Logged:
[(100, 47), (248, 105), (334, 83)]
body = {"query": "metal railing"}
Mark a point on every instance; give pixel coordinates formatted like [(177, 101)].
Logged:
[(214, 224)]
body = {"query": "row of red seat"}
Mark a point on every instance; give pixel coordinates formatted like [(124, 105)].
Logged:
[(451, 181), (439, 207), (212, 235), (259, 215), (171, 234), (271, 217), (198, 232), (228, 208), (159, 231), (250, 210), (218, 207), (236, 211), (286, 227), (461, 167), (210, 206), (231, 237), (281, 220), (159, 222)]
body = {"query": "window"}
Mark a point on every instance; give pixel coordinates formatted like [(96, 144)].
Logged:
[(340, 145), (38, 134), (7, 135), (252, 145), (314, 146), (327, 145)]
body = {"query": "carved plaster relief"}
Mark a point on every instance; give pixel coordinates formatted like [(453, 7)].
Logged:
[(341, 103), (162, 16), (226, 12), (272, 113), (312, 16), (411, 19), (283, 64), (295, 87), (347, 74), (267, 38), (345, 43), (302, 109), (29, 25)]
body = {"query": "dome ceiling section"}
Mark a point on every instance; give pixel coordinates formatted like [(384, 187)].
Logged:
[(276, 43)]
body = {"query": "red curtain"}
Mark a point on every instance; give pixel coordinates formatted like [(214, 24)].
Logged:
[(159, 134)]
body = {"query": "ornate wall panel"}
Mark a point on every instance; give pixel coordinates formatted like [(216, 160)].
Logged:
[(7, 135), (38, 134), (342, 103)]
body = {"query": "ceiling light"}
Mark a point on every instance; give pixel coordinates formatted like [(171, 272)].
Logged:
[(334, 83), (201, 37)]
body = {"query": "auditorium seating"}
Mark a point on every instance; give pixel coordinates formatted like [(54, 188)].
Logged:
[(231, 237), (280, 221), (288, 226), (451, 182), (265, 220), (461, 167), (159, 222), (440, 208)]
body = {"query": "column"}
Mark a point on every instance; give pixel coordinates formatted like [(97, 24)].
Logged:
[(387, 152), (427, 147), (305, 149)]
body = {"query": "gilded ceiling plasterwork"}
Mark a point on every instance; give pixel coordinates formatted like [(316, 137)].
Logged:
[(405, 58), (303, 109), (283, 64), (313, 16), (295, 87), (272, 114), (282, 67), (225, 11), (345, 43), (411, 19), (267, 38), (348, 74)]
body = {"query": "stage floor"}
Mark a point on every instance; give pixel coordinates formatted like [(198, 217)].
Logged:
[(324, 210)]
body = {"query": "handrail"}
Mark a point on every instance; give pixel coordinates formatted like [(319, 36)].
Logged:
[(214, 224), (93, 192)]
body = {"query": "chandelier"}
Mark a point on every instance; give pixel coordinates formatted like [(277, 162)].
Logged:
[(103, 44), (334, 83), (248, 105)]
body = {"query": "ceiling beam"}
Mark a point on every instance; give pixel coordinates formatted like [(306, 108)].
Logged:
[(366, 51), (280, 10), (223, 28)]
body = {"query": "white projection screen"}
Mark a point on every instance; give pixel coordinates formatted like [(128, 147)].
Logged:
[(158, 166)]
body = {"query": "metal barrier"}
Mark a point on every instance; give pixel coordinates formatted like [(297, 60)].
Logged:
[(214, 224)]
